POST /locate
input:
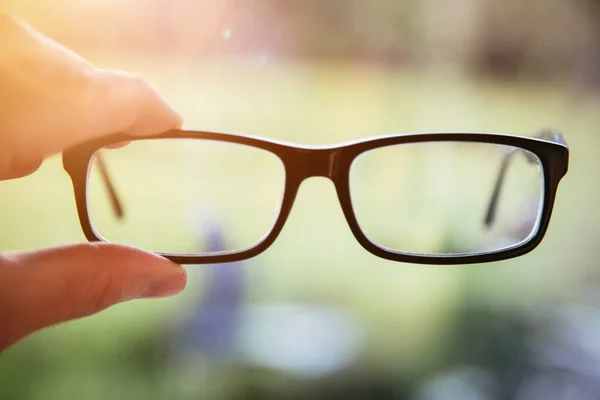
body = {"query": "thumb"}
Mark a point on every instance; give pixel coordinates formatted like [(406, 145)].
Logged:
[(42, 288)]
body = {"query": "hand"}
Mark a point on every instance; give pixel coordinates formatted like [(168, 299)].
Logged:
[(50, 99)]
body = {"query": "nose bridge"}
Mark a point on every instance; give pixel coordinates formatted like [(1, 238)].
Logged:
[(318, 162)]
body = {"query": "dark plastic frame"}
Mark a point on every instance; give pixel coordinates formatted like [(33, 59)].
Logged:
[(334, 162)]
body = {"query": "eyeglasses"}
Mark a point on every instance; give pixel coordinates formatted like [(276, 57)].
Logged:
[(427, 198)]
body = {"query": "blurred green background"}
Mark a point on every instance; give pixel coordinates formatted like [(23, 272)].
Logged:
[(316, 316)]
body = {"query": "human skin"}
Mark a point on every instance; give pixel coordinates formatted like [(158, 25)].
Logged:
[(50, 99)]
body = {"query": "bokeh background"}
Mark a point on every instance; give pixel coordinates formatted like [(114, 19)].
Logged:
[(316, 316)]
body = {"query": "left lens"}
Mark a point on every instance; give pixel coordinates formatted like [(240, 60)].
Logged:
[(436, 198), (184, 196)]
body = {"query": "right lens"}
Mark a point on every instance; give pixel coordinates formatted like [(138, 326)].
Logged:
[(184, 196), (445, 197)]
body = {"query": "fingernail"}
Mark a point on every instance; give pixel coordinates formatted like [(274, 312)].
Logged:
[(179, 120), (165, 287)]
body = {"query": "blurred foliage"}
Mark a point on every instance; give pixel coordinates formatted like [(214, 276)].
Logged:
[(537, 38)]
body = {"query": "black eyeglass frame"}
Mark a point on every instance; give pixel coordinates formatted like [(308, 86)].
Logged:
[(334, 162)]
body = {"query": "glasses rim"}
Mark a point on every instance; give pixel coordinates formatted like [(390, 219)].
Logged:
[(334, 162), (490, 214)]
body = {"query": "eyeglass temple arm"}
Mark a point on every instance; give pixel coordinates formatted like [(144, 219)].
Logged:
[(116, 204), (546, 134)]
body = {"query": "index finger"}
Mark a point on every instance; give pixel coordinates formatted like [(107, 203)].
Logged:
[(58, 99)]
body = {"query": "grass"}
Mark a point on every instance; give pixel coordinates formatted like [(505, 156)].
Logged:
[(407, 309)]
